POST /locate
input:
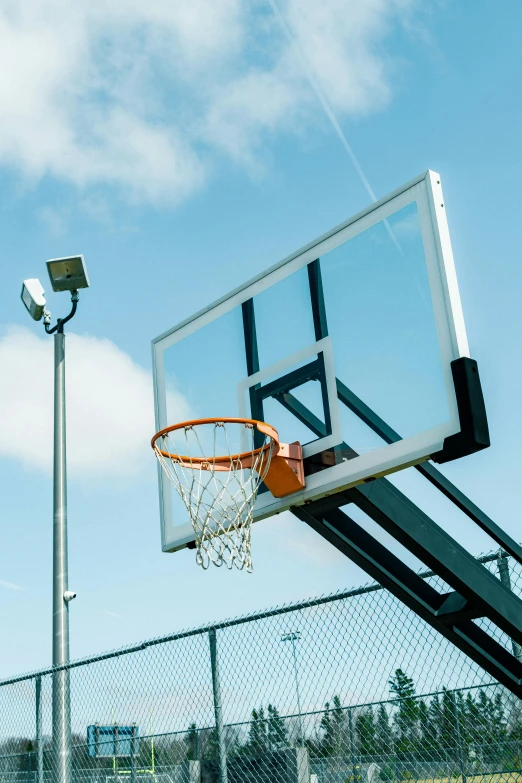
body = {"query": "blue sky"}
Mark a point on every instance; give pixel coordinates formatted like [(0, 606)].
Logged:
[(183, 151)]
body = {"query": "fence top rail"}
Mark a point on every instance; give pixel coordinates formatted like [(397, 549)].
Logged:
[(216, 626)]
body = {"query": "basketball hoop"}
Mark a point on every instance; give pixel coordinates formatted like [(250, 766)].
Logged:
[(220, 491)]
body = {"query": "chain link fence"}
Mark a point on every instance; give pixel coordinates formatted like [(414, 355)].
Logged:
[(347, 688)]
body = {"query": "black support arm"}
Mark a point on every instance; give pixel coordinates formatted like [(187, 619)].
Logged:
[(451, 614)]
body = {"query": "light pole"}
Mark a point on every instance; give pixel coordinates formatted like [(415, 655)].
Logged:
[(66, 274), (294, 636)]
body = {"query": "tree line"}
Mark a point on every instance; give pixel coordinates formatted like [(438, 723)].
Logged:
[(472, 722), (477, 726), (471, 725)]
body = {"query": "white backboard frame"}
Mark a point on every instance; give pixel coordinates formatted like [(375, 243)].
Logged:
[(426, 190)]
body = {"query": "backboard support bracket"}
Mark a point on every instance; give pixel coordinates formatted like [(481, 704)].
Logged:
[(474, 431)]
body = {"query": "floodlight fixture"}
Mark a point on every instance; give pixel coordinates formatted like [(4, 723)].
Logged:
[(33, 297), (68, 274)]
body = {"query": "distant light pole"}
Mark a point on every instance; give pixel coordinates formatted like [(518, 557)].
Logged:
[(66, 274), (293, 637)]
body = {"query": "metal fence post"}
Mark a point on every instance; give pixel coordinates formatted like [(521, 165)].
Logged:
[(116, 741), (216, 688), (39, 744), (97, 759), (352, 746), (459, 737), (133, 752), (503, 573)]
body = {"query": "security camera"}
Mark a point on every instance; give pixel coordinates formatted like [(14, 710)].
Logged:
[(69, 595), (33, 298)]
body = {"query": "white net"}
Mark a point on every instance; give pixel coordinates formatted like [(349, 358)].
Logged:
[(219, 491)]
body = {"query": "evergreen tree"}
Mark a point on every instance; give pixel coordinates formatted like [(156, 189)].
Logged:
[(277, 731), (383, 737), (191, 741), (333, 724), (485, 728), (211, 745), (365, 730), (460, 705), (448, 722), (498, 719), (258, 735), (406, 736), (493, 716), (428, 717), (484, 712), (26, 759), (471, 722), (326, 726)]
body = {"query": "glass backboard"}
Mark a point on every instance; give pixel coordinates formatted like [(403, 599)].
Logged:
[(367, 318)]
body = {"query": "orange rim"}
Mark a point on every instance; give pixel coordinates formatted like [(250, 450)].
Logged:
[(261, 426)]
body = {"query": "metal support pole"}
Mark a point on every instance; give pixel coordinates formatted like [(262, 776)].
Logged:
[(61, 680), (503, 573), (355, 776), (459, 738), (39, 743), (216, 687), (294, 636)]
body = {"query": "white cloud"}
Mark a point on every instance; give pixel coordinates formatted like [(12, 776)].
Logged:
[(53, 220), (109, 405), (143, 95), (341, 42)]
